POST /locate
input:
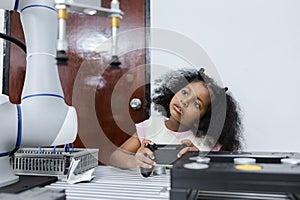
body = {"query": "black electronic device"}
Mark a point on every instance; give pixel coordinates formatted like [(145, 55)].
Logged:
[(262, 172), (165, 154), (28, 182)]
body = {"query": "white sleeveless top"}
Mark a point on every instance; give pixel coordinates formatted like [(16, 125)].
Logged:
[(154, 129)]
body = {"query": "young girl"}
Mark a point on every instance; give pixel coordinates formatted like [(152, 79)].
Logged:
[(194, 111)]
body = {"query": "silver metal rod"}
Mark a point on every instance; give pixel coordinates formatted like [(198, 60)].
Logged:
[(114, 48), (62, 44)]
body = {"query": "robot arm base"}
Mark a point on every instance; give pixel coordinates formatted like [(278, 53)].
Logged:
[(8, 177), (69, 126)]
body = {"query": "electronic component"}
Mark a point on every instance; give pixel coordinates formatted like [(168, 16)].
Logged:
[(271, 172)]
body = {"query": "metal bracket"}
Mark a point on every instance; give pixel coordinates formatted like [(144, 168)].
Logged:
[(88, 8)]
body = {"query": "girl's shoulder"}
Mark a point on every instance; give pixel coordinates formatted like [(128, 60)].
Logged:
[(150, 128), (153, 121)]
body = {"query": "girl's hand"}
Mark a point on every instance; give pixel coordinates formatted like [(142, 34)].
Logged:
[(140, 156), (190, 147)]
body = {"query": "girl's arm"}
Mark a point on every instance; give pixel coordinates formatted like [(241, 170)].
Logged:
[(131, 154)]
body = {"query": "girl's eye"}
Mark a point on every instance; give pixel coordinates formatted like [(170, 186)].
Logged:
[(184, 92), (197, 105)]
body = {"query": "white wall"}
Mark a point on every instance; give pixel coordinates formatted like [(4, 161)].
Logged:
[(255, 47), (1, 49)]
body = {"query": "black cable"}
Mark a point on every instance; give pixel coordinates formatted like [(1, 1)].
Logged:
[(14, 40)]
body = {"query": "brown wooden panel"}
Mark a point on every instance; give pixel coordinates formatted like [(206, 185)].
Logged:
[(17, 61)]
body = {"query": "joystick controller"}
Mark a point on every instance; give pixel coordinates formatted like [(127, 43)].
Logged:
[(147, 171), (165, 154)]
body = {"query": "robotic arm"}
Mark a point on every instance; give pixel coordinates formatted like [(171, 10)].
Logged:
[(42, 118)]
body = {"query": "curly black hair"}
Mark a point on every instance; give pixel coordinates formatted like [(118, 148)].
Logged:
[(230, 131)]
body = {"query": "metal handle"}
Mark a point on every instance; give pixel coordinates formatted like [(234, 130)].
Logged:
[(135, 103)]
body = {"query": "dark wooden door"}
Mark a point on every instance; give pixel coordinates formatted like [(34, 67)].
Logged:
[(100, 95)]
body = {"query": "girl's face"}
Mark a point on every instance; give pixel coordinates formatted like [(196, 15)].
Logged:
[(189, 105)]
